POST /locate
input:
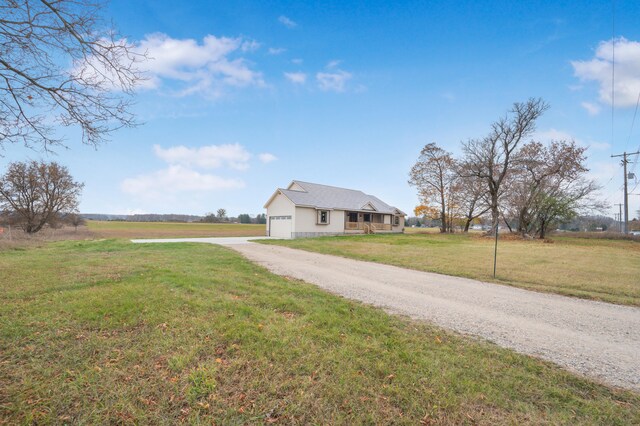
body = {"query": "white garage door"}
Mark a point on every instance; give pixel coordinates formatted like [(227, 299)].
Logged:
[(280, 226)]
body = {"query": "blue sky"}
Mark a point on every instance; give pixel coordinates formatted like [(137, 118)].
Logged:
[(243, 97)]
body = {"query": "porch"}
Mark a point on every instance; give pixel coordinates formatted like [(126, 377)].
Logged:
[(358, 222)]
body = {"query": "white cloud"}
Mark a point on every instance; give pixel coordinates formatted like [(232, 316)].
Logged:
[(183, 172), (333, 81), (333, 64), (234, 156), (287, 22), (95, 72), (297, 61), (608, 174), (547, 136), (267, 157), (206, 68), (627, 71), (175, 179), (560, 135), (296, 77), (592, 109), (600, 146), (249, 46), (276, 50)]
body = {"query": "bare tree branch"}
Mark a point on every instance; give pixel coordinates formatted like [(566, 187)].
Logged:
[(490, 158), (59, 65)]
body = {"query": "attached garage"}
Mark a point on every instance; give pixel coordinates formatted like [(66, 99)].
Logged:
[(307, 209), (280, 226)]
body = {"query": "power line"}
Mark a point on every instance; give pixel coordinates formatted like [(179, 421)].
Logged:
[(633, 121), (613, 65), (626, 192), (608, 182)]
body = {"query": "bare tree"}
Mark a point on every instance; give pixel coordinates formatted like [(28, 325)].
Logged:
[(74, 220), (541, 172), (473, 197), (37, 193), (60, 66), (490, 158), (221, 214), (434, 176), (547, 186)]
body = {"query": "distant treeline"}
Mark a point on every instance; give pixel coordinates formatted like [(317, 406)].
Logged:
[(221, 217), (585, 223), (144, 217), (210, 218)]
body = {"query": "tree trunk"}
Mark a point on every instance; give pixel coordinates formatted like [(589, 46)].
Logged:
[(495, 214), (469, 217), (443, 222), (506, 222), (543, 230), (522, 222)]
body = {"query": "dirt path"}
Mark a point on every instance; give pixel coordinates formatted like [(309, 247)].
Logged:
[(599, 340)]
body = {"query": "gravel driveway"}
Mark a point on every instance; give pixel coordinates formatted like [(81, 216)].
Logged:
[(596, 339), (599, 340)]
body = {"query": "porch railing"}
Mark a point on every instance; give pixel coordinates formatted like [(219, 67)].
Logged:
[(360, 226), (353, 226)]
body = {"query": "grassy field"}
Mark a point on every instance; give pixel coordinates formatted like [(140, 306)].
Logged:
[(119, 229), (598, 269), (108, 332)]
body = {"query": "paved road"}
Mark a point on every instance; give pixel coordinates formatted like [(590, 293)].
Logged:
[(599, 340)]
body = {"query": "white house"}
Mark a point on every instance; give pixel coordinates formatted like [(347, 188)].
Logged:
[(306, 209)]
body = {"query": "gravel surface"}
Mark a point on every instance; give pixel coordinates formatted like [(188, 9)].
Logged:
[(599, 340), (212, 240)]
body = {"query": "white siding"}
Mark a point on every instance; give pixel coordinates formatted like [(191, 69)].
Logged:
[(280, 206), (400, 227), (306, 218), (293, 221)]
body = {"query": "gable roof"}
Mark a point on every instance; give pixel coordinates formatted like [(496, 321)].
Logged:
[(331, 197)]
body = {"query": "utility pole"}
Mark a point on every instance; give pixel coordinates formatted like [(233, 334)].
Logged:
[(626, 196), (619, 216)]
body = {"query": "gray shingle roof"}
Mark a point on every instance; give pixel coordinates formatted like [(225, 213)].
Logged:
[(331, 197)]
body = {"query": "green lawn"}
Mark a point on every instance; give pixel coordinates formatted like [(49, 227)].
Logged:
[(598, 269), (108, 332), (122, 229)]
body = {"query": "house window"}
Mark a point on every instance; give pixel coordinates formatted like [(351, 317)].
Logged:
[(323, 217), (396, 220), (367, 217), (353, 217)]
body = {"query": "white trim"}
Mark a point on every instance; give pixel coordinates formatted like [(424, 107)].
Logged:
[(278, 191), (371, 207), (319, 215)]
